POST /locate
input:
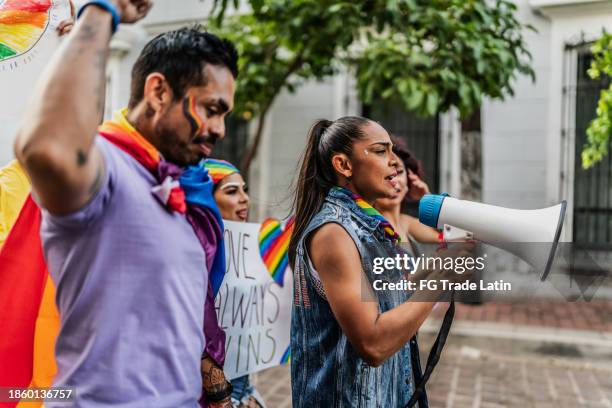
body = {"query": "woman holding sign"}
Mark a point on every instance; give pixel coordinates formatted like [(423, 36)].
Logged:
[(232, 198), (351, 344)]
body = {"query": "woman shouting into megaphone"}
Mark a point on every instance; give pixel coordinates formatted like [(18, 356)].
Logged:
[(350, 344)]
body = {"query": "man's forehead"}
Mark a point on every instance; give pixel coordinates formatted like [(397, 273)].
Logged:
[(219, 76), (220, 85)]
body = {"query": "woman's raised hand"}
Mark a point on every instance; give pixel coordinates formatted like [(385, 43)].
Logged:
[(418, 188)]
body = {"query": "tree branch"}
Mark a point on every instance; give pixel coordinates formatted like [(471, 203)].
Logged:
[(254, 147)]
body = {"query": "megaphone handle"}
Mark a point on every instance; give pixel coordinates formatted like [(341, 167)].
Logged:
[(435, 352)]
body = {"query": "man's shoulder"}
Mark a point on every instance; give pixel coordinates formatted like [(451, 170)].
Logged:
[(118, 161), (108, 147)]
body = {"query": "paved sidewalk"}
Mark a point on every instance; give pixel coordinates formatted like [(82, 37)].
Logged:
[(533, 355), (580, 315), (480, 373), (274, 384)]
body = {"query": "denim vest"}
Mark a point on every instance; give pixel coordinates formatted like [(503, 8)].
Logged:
[(326, 371)]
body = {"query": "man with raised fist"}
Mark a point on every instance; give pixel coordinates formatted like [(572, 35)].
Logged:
[(128, 230)]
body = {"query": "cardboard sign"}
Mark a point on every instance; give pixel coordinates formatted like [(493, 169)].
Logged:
[(28, 39), (255, 299)]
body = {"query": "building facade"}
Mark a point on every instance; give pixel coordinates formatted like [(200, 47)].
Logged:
[(530, 142)]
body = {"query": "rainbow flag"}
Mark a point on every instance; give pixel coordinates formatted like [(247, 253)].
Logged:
[(29, 317), (22, 22)]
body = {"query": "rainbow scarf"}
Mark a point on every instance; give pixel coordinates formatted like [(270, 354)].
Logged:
[(189, 191), (28, 315), (218, 169), (371, 212)]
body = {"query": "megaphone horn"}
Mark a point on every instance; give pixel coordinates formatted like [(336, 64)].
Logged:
[(499, 226)]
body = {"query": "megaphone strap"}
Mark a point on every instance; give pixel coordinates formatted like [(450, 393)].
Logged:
[(434, 354)]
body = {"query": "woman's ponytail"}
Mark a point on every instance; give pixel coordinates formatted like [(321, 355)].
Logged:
[(309, 193), (316, 174)]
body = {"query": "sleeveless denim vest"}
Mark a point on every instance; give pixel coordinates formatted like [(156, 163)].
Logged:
[(326, 371)]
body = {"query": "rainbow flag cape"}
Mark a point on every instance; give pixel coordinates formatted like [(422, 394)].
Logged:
[(29, 318)]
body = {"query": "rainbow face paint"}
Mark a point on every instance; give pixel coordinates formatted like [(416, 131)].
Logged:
[(189, 110)]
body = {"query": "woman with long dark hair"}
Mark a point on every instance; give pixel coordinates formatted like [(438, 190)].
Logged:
[(350, 342)]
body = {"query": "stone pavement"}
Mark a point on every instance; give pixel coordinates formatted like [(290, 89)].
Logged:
[(580, 315), (477, 372), (274, 384), (501, 356)]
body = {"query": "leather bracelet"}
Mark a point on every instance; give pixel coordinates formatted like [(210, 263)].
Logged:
[(104, 5), (220, 395)]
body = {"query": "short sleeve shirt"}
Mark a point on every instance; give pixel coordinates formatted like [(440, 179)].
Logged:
[(131, 283)]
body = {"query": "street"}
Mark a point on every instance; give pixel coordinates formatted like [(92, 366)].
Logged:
[(495, 365)]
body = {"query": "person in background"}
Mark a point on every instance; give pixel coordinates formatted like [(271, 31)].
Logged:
[(232, 198), (66, 26)]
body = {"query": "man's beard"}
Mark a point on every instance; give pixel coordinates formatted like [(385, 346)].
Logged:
[(174, 150), (180, 153)]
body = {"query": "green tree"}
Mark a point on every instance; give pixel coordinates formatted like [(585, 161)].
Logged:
[(429, 55), (599, 130)]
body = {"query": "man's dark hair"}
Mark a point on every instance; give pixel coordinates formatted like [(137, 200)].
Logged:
[(180, 56)]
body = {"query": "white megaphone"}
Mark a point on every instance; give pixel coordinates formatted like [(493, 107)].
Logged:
[(502, 227)]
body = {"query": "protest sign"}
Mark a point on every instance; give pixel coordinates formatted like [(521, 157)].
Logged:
[(254, 301), (28, 39)]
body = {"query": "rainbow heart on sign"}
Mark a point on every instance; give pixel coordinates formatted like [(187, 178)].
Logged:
[(274, 245)]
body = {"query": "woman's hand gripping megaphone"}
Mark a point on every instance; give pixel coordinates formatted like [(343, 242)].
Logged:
[(437, 272)]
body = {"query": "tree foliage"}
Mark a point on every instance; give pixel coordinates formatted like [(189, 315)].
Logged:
[(429, 55), (599, 130)]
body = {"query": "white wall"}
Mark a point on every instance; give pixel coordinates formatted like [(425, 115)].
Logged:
[(571, 21), (514, 130), (285, 139)]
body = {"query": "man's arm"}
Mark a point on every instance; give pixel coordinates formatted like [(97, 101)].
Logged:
[(214, 384), (55, 143)]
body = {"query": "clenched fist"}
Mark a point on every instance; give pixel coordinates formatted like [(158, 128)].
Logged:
[(132, 10)]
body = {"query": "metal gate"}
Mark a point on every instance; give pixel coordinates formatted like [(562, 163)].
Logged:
[(233, 145), (592, 227), (421, 136)]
